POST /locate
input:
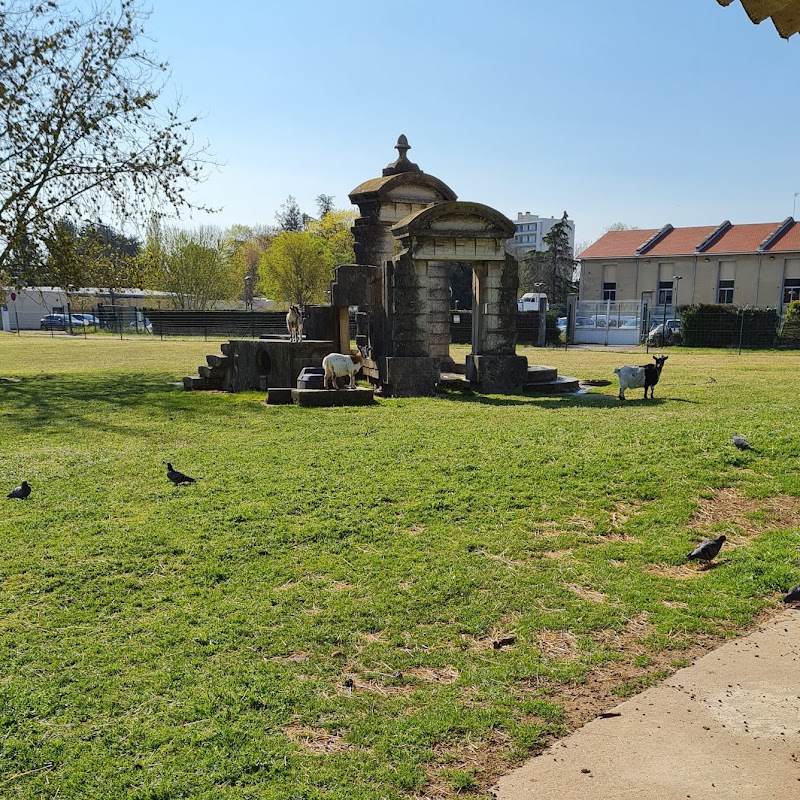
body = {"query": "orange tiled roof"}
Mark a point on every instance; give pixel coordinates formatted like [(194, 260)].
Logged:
[(790, 240), (618, 244), (681, 241), (684, 241), (743, 238)]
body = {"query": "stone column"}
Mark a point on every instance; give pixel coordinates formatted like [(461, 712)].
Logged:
[(439, 309)]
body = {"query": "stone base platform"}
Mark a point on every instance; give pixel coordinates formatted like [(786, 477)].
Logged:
[(324, 398), (562, 384)]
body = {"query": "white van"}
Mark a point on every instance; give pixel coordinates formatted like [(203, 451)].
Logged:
[(532, 301)]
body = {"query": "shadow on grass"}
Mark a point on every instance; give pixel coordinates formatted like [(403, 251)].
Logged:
[(95, 402)]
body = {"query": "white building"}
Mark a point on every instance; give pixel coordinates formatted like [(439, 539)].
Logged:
[(530, 230)]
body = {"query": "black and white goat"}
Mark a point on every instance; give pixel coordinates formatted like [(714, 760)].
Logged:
[(637, 377)]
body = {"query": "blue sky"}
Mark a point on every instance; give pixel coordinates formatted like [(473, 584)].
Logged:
[(636, 111)]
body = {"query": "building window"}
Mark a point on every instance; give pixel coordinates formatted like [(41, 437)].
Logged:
[(791, 289), (725, 292), (610, 292), (533, 238), (665, 293)]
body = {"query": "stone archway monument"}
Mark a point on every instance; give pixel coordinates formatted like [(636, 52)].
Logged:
[(430, 240)]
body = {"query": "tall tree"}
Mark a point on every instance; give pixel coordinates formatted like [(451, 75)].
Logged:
[(83, 128), (290, 217), (297, 268), (334, 228), (554, 267), (324, 204), (193, 265)]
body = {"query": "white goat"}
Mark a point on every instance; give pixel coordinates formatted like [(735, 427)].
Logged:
[(294, 322), (337, 365), (637, 377)]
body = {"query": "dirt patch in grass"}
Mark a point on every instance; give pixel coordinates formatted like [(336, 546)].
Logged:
[(586, 594), (292, 658), (683, 572), (750, 515), (440, 675), (316, 740)]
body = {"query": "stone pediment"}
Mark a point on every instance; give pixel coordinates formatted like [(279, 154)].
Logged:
[(405, 187), (455, 219)]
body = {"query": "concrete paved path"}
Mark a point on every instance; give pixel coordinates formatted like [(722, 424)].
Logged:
[(726, 727)]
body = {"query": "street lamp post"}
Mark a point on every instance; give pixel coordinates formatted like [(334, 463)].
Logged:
[(794, 204), (675, 279), (248, 292)]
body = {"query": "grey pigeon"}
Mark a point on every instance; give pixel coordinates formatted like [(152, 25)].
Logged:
[(793, 595), (177, 477), (22, 492), (741, 443), (707, 550)]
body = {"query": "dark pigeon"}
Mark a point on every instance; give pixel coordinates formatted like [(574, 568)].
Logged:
[(793, 595), (177, 477), (22, 492), (707, 550), (741, 443)]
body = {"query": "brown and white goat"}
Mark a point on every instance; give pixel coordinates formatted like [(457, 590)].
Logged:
[(294, 322), (338, 365)]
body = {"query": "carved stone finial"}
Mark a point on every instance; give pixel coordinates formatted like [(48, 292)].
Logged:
[(402, 164)]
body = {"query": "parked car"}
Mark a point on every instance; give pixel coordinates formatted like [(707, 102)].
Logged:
[(585, 322), (143, 325), (561, 324), (631, 323), (89, 319), (657, 337), (61, 322)]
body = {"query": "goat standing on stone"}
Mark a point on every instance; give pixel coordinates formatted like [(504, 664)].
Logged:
[(337, 365), (294, 322), (637, 377)]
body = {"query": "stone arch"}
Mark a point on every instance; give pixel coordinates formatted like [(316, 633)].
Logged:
[(418, 290)]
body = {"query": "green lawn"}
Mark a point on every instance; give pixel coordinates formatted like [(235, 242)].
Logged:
[(465, 562)]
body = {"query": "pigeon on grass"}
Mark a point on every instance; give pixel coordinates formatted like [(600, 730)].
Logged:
[(741, 443), (21, 492), (177, 477), (793, 595), (708, 550)]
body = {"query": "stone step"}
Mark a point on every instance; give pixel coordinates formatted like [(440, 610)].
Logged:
[(218, 361), (212, 373), (279, 396), (560, 385), (195, 383), (538, 374)]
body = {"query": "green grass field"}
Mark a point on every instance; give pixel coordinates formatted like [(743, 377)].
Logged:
[(469, 564)]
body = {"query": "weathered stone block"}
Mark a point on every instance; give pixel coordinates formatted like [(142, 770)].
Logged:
[(411, 376), (497, 373)]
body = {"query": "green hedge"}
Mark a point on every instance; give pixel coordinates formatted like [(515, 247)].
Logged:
[(707, 325)]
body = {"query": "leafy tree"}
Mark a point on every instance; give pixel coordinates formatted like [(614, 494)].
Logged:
[(554, 267), (93, 255), (83, 130), (194, 265), (247, 246), (334, 228), (290, 217), (297, 268)]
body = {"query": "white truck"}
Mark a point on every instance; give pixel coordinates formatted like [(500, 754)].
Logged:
[(532, 301)]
